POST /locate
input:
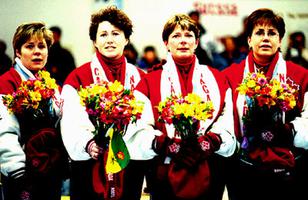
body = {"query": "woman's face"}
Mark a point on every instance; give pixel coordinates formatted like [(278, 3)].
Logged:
[(110, 41), (33, 54), (265, 42), (181, 43)]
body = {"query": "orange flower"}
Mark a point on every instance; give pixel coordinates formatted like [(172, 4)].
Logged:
[(263, 93), (33, 94)]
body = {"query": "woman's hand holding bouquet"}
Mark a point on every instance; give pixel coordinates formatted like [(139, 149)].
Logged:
[(111, 108), (188, 172), (267, 140), (189, 146), (267, 102), (32, 104)]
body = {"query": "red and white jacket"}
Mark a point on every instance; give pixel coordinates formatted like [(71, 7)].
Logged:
[(207, 82), (284, 71), (76, 127)]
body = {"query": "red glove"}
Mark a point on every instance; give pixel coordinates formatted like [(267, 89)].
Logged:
[(165, 146), (194, 150), (209, 143)]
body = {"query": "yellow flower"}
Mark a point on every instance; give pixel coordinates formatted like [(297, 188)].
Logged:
[(188, 110), (137, 106), (275, 83), (116, 86), (161, 105), (44, 74), (37, 84), (257, 89), (178, 109), (204, 110), (9, 98), (83, 93), (193, 98), (272, 102), (51, 83), (242, 89), (251, 83), (98, 90), (35, 96), (292, 103)]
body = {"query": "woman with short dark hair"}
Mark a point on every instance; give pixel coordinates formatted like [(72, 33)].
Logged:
[(110, 30), (266, 166)]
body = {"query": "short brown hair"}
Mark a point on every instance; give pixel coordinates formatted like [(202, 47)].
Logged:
[(265, 16), (32, 29), (184, 21), (113, 15)]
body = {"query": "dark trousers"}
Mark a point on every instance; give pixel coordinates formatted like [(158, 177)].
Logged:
[(301, 176), (47, 188), (265, 184), (81, 186), (134, 175), (220, 171), (246, 182)]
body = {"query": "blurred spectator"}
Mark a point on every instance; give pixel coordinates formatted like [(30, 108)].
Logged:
[(202, 55), (60, 61), (241, 40), (149, 58), (5, 60), (131, 53), (195, 15), (231, 54), (296, 51)]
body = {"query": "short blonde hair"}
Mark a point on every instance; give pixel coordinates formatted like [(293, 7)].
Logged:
[(28, 30), (182, 20)]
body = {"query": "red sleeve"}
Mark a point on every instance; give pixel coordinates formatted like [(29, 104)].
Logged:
[(234, 75), (143, 86), (80, 76), (142, 73), (9, 82)]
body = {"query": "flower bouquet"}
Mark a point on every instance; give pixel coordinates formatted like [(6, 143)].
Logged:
[(185, 113), (266, 100), (111, 108), (267, 138), (32, 95), (32, 101)]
